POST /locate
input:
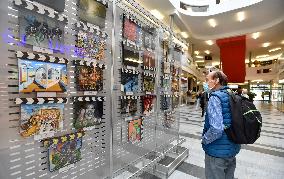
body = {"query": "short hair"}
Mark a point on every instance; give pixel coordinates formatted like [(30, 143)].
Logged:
[(223, 79)]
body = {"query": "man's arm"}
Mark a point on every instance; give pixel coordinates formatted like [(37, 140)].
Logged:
[(215, 121)]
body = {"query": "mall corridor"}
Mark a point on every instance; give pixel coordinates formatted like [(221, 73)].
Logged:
[(262, 160)]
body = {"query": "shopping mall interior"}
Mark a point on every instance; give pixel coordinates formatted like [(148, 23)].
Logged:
[(101, 89)]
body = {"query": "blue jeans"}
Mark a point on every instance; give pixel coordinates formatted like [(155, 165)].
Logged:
[(219, 168)]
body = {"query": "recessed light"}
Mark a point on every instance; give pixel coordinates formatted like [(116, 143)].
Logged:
[(212, 22), (196, 52), (209, 42), (265, 44), (255, 35), (157, 14), (207, 52), (199, 56), (274, 49), (241, 16), (184, 35), (262, 56), (282, 42)]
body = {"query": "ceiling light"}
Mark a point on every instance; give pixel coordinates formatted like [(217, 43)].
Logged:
[(255, 35), (199, 56), (207, 52), (196, 52), (212, 22), (241, 16), (262, 56), (157, 14), (265, 44), (209, 42), (274, 49), (282, 42), (184, 35)]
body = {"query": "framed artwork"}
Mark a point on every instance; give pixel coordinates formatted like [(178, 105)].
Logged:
[(129, 82), (130, 57), (41, 120), (135, 128), (148, 84), (57, 5), (93, 12), (165, 83), (129, 106), (149, 60), (131, 30), (148, 38), (38, 76), (90, 45), (175, 85), (168, 120), (175, 71), (148, 105), (166, 50), (87, 113), (89, 78), (64, 151), (167, 67), (166, 102), (41, 31), (175, 101)]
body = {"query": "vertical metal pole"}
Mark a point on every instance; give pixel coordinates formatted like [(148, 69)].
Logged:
[(249, 65)]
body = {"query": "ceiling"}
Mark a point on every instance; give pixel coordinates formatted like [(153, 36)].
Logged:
[(266, 17)]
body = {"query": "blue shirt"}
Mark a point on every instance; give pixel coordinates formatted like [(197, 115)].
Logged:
[(214, 112)]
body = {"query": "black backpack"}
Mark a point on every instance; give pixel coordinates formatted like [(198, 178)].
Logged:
[(246, 120)]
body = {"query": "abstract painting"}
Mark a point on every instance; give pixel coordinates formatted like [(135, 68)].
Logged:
[(148, 38), (148, 84), (38, 76), (131, 30), (135, 128), (128, 106), (167, 67), (41, 119), (148, 105), (64, 150), (149, 59), (166, 102), (129, 82), (87, 113), (41, 31), (168, 120), (130, 57), (90, 45), (89, 78), (93, 12)]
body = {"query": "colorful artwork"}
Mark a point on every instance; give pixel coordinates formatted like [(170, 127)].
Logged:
[(135, 128), (87, 113), (149, 59), (41, 119), (130, 57), (129, 82), (166, 102), (41, 31), (90, 45), (93, 12), (131, 30), (166, 50), (128, 106), (148, 105), (148, 84), (167, 67), (38, 76), (175, 101), (175, 71), (165, 83), (175, 85), (89, 78), (168, 120), (64, 150)]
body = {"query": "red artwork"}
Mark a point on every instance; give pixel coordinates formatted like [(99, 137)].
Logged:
[(130, 30)]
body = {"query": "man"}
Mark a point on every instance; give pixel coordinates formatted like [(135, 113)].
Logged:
[(220, 152)]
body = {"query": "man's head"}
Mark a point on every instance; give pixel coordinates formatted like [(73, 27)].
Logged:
[(216, 79)]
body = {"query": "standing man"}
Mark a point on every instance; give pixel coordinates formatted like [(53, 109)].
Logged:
[(220, 152)]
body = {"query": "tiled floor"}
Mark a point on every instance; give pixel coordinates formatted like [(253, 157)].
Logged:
[(262, 160)]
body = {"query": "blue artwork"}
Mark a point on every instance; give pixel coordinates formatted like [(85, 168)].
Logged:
[(129, 82)]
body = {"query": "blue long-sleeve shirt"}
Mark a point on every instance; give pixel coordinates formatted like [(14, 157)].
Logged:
[(214, 110)]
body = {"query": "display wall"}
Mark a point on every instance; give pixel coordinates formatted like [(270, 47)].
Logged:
[(90, 89)]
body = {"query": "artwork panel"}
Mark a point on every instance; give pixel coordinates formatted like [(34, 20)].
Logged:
[(129, 82), (89, 78), (135, 130), (129, 106)]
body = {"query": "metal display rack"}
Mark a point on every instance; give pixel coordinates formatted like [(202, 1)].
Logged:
[(106, 150)]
